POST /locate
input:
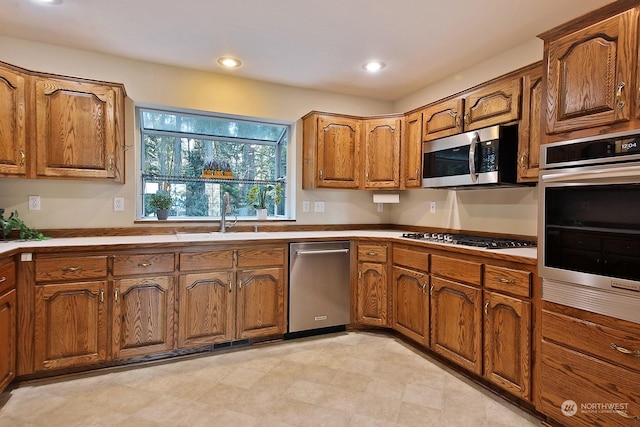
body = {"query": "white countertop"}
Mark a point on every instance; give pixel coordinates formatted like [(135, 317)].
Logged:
[(8, 246)]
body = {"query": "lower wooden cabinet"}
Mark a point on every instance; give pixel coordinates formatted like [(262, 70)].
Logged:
[(7, 337), (260, 303), (71, 324), (411, 304), (456, 323), (142, 321), (507, 343), (372, 291)]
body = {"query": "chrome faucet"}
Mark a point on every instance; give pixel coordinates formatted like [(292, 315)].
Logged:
[(226, 209)]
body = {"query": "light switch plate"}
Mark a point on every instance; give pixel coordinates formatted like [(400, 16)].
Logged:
[(433, 207), (318, 206), (305, 206)]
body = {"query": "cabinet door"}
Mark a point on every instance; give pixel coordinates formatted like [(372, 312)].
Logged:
[(442, 119), (507, 343), (338, 151), (12, 123), (411, 304), (530, 129), (411, 152), (493, 104), (70, 324), (590, 77), (142, 316), (7, 338), (260, 303), (207, 304), (78, 129), (456, 323), (382, 153), (371, 294)]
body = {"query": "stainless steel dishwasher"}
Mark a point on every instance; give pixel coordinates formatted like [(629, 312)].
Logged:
[(319, 289)]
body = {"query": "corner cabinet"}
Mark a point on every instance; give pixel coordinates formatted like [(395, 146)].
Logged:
[(331, 151), (372, 287), (13, 132), (591, 75), (8, 322), (60, 127)]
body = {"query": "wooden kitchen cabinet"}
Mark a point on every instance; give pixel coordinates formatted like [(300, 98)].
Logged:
[(143, 307), (8, 322), (411, 152), (372, 288), (589, 359), (493, 103), (591, 75), (331, 151), (530, 129), (13, 131), (443, 118), (456, 311), (382, 152)]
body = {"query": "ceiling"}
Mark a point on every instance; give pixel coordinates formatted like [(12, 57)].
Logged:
[(311, 44)]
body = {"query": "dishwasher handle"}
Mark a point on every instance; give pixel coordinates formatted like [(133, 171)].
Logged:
[(322, 252)]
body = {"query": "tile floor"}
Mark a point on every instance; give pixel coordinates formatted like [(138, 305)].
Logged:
[(343, 379)]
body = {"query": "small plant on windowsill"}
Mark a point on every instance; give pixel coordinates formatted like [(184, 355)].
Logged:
[(259, 195), (161, 202), (13, 223)]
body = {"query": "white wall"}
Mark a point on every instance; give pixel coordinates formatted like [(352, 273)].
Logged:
[(80, 204)]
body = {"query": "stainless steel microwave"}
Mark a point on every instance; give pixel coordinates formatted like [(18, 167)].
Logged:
[(484, 157)]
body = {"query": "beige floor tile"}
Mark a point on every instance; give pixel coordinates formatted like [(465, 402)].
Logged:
[(427, 396), (419, 416)]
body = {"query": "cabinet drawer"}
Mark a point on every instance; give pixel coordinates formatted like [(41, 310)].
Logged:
[(260, 257), (516, 282), (373, 253), (70, 268), (209, 260), (125, 265), (412, 258), (465, 271), (7, 276), (613, 345), (597, 388)]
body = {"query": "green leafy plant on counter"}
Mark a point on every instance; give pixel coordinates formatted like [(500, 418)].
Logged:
[(258, 195), (13, 222)]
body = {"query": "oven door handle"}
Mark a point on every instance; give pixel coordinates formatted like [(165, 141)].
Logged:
[(618, 173), (472, 157)]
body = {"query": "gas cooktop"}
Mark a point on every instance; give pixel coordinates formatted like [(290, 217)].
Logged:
[(468, 240)]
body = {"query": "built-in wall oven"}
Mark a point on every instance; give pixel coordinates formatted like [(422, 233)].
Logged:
[(589, 242)]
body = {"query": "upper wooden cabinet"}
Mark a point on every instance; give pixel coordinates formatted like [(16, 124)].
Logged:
[(13, 138), (60, 127), (331, 151), (591, 76), (382, 153), (530, 129), (443, 118), (411, 152)]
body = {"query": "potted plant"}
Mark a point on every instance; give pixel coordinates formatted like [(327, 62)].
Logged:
[(259, 194), (226, 170), (161, 202), (207, 169), (7, 225)]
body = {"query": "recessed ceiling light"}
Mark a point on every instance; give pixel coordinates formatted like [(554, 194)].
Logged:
[(229, 62), (48, 1), (374, 66)]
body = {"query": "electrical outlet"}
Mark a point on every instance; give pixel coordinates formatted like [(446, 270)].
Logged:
[(34, 203), (305, 206), (433, 207), (380, 207), (318, 206), (118, 204)]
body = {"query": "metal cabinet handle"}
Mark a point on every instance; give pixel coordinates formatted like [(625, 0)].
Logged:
[(101, 296), (624, 414), (320, 174), (71, 269), (3, 279), (111, 163), (457, 118), (115, 295), (145, 264), (619, 95), (239, 284), (625, 351), (230, 282), (431, 290), (372, 253), (23, 157), (417, 173), (523, 159), (486, 308), (424, 287), (359, 274), (503, 280)]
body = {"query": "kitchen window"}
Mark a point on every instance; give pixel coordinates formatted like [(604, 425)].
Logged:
[(196, 157)]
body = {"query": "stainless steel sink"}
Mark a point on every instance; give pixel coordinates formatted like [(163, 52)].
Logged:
[(216, 235)]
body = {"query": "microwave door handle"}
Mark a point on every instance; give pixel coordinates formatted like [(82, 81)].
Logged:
[(472, 157), (613, 175)]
